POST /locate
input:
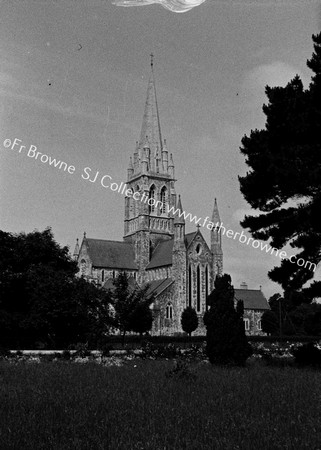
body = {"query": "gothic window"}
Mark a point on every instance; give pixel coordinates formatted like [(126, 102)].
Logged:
[(169, 311), (190, 286), (113, 274), (150, 250), (102, 276), (151, 202), (83, 267), (163, 199), (198, 249), (136, 203), (206, 284), (198, 281)]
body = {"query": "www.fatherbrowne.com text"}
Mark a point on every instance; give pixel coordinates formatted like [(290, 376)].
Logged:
[(104, 180)]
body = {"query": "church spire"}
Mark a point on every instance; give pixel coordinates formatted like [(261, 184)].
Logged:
[(151, 123), (76, 251), (179, 216), (216, 241), (216, 216)]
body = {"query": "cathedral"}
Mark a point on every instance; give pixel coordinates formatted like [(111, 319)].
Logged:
[(179, 267)]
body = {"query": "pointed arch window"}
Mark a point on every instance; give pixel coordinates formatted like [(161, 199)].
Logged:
[(206, 284), (83, 266), (169, 311), (198, 282), (190, 286), (151, 200), (163, 199), (136, 204)]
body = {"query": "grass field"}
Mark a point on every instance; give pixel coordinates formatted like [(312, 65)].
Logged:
[(65, 405)]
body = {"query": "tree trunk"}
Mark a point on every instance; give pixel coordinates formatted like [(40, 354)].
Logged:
[(123, 338)]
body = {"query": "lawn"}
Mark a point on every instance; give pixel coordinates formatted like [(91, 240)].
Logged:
[(64, 405)]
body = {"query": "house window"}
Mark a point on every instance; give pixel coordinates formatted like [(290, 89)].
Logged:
[(102, 276), (113, 274), (247, 324), (259, 325), (198, 281), (169, 311)]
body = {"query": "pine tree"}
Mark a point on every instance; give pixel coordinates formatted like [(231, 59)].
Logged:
[(189, 320), (285, 163), (226, 339)]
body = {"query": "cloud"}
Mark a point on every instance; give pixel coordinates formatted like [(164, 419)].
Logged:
[(252, 91), (239, 214), (177, 6), (274, 74)]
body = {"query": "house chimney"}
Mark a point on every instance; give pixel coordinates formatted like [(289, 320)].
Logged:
[(243, 285)]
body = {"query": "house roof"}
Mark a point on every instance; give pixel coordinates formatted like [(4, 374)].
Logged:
[(111, 254), (189, 237), (252, 298), (156, 287), (162, 255)]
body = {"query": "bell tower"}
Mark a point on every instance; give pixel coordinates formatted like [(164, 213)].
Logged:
[(151, 178)]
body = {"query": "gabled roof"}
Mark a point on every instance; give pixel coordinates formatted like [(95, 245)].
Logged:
[(157, 287), (252, 298), (162, 255), (111, 254), (189, 237)]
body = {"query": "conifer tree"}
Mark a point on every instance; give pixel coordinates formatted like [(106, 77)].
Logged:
[(226, 340), (284, 178), (189, 320)]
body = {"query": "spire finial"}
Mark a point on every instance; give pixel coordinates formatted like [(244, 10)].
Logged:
[(152, 60)]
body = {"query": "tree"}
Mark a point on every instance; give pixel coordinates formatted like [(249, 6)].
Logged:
[(141, 319), (41, 298), (126, 296), (270, 323), (189, 320), (284, 181), (226, 339), (240, 308)]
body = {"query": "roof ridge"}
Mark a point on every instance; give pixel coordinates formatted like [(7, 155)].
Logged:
[(108, 240)]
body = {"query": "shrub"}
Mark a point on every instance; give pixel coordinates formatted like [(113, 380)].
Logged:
[(105, 349), (82, 350), (189, 320), (226, 340), (307, 355), (4, 352), (66, 355)]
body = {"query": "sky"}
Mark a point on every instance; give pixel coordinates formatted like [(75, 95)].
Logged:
[(73, 81)]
